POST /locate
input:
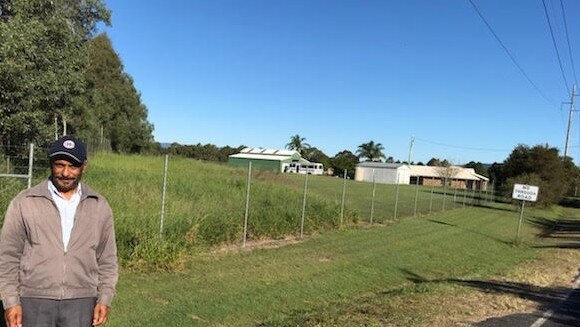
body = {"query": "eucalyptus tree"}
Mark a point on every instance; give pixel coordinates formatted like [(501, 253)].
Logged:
[(371, 151), (42, 61), (111, 108)]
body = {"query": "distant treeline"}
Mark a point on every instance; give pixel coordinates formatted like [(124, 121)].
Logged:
[(207, 152)]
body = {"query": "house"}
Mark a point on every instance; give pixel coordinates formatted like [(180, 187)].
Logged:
[(275, 160), (388, 173), (456, 177)]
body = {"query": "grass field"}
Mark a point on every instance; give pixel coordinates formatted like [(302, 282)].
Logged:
[(205, 205), (328, 279), (411, 199), (196, 274)]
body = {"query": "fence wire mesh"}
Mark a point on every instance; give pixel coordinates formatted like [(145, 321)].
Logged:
[(190, 202)]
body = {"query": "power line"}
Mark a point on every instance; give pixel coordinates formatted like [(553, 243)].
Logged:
[(510, 55), (556, 47), (461, 147), (568, 41)]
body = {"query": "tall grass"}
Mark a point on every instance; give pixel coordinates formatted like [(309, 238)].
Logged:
[(205, 205)]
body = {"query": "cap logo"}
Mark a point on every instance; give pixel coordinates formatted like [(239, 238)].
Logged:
[(68, 144)]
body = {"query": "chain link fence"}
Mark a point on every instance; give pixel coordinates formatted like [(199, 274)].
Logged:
[(153, 211)]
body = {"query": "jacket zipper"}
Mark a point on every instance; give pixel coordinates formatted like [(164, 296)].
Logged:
[(63, 257), (63, 275)]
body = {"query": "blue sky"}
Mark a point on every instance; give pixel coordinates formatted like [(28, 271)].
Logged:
[(341, 73)]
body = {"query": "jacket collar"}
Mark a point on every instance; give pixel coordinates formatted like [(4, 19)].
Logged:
[(42, 190)]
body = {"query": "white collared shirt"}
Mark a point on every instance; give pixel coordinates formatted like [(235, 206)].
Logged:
[(67, 209)]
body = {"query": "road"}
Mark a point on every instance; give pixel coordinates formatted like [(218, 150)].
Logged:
[(565, 312)]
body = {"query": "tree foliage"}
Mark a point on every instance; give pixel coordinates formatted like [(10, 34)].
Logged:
[(496, 173), (478, 167), (208, 152), (297, 143), (371, 151), (344, 160), (42, 60), (447, 173), (313, 154), (56, 77), (111, 107), (436, 162), (540, 165)]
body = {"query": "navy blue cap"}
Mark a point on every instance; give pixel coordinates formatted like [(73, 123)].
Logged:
[(68, 147)]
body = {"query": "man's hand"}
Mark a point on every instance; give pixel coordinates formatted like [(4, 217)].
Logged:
[(99, 315), (13, 316)]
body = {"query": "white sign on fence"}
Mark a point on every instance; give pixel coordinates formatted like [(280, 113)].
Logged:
[(525, 192)]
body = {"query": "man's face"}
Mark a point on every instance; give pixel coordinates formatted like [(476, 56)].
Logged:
[(65, 175)]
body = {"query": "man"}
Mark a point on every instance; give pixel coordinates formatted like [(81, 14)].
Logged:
[(58, 257)]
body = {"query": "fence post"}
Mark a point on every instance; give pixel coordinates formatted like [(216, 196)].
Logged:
[(444, 193), (431, 199), (30, 164), (373, 198), (486, 194), (342, 200), (454, 196), (248, 182), (416, 196), (396, 198), (163, 197), (304, 205), (517, 239), (473, 196)]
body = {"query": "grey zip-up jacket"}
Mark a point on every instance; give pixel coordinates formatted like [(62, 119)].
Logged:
[(33, 262)]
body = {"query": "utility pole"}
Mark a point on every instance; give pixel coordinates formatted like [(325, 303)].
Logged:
[(410, 149), (569, 120)]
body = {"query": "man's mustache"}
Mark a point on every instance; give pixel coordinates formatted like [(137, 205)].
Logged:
[(65, 178)]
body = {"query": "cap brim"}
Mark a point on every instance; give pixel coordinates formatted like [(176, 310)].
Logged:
[(66, 156)]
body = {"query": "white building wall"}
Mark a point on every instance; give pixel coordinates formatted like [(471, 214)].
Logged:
[(400, 175), (404, 175)]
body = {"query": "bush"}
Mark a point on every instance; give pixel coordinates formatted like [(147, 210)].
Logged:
[(541, 166)]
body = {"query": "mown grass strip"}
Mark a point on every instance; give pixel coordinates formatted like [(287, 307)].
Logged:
[(268, 287)]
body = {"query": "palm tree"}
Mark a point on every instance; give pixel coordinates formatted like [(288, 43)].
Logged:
[(371, 151), (297, 143)]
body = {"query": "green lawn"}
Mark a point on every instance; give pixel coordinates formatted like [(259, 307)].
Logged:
[(268, 287), (333, 267), (358, 197)]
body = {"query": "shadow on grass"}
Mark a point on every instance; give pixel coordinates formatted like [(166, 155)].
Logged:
[(547, 298), (490, 206), (441, 222), (564, 232), (570, 202), (470, 231)]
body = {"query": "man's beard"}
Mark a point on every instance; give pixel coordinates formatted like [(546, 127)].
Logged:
[(65, 184)]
